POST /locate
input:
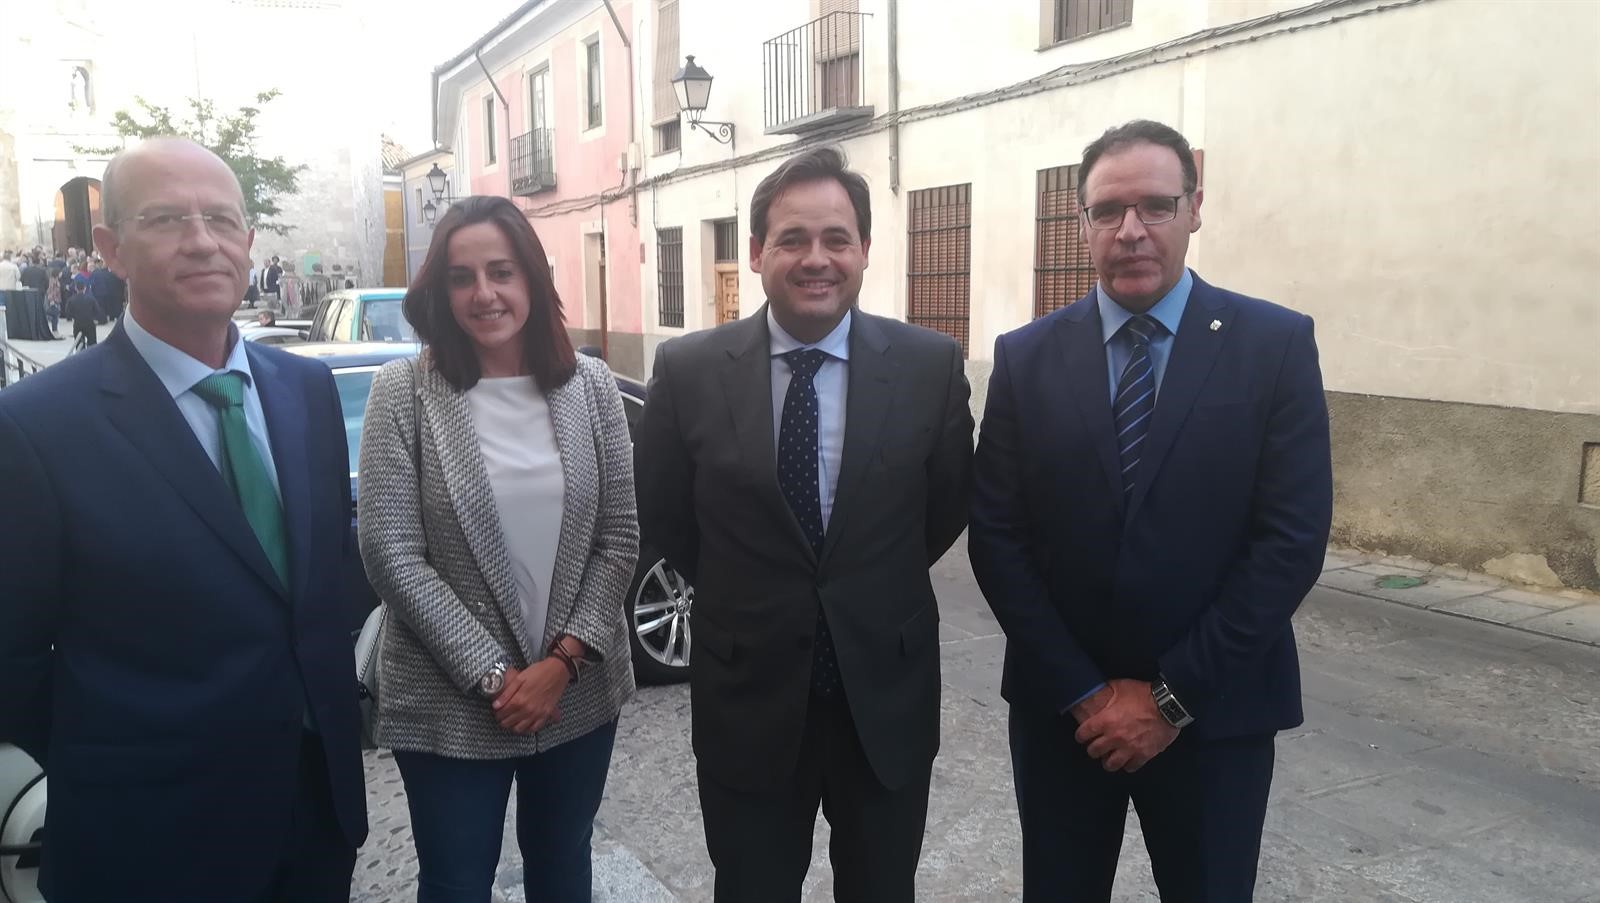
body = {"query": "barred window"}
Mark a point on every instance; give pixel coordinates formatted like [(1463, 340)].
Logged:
[(939, 289), (1062, 270), (1077, 18), (669, 270)]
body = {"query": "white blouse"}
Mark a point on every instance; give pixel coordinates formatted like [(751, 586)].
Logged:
[(518, 441)]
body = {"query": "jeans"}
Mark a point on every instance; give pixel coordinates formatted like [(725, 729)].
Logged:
[(458, 814)]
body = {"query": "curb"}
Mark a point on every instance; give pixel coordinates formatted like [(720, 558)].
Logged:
[(1569, 615)]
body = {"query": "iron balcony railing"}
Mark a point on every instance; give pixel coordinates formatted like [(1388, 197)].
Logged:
[(533, 162), (816, 75)]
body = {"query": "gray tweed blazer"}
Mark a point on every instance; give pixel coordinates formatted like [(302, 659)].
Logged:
[(434, 551)]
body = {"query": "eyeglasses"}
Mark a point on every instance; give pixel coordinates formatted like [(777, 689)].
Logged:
[(221, 225), (1151, 211)]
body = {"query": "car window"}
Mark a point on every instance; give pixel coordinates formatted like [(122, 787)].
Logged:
[(384, 321), (323, 324), (354, 386), (342, 327)]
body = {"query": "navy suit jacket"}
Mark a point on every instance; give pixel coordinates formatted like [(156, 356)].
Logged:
[(1224, 534), (150, 658)]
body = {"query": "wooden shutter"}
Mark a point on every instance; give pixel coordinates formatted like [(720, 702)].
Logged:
[(939, 277)]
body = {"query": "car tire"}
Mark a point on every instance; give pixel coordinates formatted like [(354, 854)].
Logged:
[(657, 611)]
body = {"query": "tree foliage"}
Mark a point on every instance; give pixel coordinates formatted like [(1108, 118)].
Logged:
[(231, 136)]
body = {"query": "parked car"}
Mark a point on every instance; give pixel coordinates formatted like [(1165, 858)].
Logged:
[(361, 315), (659, 600), (272, 335), (22, 803)]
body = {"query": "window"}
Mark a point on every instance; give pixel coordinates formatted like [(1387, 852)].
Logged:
[(939, 289), (1077, 18), (669, 137), (342, 326), (538, 105), (726, 241), (489, 155), (665, 100), (669, 270), (591, 78), (1062, 271)]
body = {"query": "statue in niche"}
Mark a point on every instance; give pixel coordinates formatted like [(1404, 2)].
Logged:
[(82, 96)]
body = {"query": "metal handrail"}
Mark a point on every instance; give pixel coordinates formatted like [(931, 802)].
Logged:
[(14, 365)]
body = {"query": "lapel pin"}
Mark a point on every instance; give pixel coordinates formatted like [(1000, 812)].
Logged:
[(1216, 325)]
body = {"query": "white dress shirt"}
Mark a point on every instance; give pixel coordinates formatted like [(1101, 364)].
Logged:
[(832, 383), (10, 276), (523, 462), (179, 373)]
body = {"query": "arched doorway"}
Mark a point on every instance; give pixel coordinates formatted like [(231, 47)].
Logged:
[(77, 213)]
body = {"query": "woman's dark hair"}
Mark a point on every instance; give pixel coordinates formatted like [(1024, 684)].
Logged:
[(546, 348)]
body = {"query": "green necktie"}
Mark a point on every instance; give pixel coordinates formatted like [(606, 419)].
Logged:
[(244, 471)]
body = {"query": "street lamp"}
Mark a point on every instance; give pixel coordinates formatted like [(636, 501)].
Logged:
[(439, 184), (692, 85)]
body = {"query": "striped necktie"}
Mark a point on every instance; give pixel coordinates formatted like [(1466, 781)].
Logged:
[(1136, 401)]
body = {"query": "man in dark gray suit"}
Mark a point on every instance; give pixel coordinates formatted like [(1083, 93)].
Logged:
[(804, 467)]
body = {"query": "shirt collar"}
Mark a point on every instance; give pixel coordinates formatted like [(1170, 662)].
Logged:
[(178, 371), (1168, 311), (835, 344)]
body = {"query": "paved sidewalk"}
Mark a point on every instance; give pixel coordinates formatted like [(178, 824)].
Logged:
[(1564, 614)]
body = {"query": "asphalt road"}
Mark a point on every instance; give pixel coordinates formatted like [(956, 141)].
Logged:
[(1442, 761)]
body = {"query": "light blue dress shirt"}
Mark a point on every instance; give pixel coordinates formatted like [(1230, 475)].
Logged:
[(179, 373), (1168, 312), (832, 383)]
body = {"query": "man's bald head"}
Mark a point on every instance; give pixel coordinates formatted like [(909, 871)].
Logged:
[(125, 169)]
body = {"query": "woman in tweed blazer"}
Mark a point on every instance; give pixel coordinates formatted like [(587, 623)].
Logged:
[(497, 521)]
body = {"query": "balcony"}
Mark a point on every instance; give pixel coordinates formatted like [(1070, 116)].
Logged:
[(533, 163), (814, 76)]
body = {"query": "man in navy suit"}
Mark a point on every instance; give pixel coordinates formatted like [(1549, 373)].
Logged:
[(189, 684), (1153, 497)]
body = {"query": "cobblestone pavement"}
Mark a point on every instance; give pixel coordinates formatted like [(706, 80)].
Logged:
[(1443, 761)]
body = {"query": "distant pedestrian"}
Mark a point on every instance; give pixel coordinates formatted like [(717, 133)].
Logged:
[(271, 283), (108, 289), (85, 314), (10, 273)]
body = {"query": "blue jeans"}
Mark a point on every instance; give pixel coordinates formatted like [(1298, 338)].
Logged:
[(458, 814)]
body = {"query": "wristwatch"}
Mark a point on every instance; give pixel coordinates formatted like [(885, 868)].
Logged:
[(492, 681), (1169, 706)]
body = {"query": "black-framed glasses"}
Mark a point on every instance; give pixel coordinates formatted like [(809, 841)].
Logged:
[(221, 224), (1152, 211)]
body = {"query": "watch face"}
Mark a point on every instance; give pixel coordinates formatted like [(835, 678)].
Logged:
[(493, 682)]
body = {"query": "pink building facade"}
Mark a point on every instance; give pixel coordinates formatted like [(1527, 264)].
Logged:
[(556, 131)]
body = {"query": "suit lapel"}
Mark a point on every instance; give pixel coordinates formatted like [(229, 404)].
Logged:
[(138, 405), (574, 421), (1194, 351), (871, 389), (448, 430), (747, 382), (1083, 349), (283, 402)]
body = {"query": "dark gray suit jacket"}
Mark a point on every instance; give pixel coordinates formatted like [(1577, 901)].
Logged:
[(706, 469)]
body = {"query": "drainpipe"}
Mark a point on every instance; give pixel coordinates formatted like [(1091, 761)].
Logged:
[(633, 186), (632, 175), (894, 96), (505, 125)]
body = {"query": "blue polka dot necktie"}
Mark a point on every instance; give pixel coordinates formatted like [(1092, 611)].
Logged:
[(1136, 401), (798, 478)]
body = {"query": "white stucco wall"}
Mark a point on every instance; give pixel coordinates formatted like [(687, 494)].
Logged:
[(1419, 176)]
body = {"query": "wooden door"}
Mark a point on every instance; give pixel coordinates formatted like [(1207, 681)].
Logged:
[(727, 292)]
